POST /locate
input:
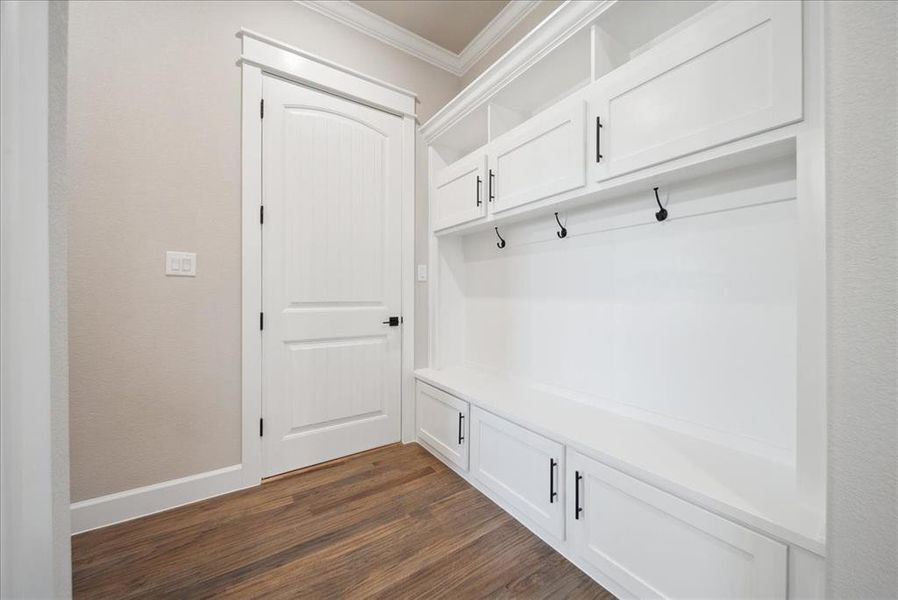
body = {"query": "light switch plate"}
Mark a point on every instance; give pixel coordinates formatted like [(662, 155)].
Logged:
[(180, 264), (422, 272)]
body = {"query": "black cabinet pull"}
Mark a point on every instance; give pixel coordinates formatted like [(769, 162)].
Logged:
[(577, 509), (552, 493), (461, 434), (598, 139), (492, 177), (479, 184)]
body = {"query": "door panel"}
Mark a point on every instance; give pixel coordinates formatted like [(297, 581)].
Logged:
[(732, 74), (443, 424), (656, 545), (540, 158), (331, 276), (521, 467), (459, 192)]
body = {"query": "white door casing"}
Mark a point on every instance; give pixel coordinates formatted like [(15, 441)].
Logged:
[(331, 257)]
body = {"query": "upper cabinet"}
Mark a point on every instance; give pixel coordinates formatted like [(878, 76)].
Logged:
[(733, 73), (459, 192), (540, 158), (632, 86)]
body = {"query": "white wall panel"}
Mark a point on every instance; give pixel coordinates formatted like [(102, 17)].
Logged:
[(690, 322)]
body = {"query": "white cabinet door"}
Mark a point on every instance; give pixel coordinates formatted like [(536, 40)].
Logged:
[(443, 424), (540, 158), (656, 545), (522, 468), (459, 192), (733, 73)]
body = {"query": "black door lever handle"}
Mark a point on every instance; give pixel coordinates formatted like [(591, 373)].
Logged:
[(392, 322)]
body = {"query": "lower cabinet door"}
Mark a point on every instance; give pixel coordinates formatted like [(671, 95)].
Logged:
[(442, 422), (656, 545), (520, 467)]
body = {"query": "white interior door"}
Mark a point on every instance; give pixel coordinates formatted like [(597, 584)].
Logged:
[(330, 276)]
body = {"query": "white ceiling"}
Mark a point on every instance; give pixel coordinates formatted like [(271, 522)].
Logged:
[(451, 24)]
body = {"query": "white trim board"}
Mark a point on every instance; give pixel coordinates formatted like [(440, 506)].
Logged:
[(361, 19), (289, 62), (33, 535), (151, 499)]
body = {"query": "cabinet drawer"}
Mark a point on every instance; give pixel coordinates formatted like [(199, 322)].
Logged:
[(657, 545), (734, 73), (540, 158), (459, 192), (442, 423), (522, 468)]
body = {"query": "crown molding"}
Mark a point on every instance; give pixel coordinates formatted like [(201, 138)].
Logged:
[(553, 31), (360, 19), (507, 19)]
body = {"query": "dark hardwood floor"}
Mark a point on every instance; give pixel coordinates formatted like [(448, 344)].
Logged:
[(390, 523)]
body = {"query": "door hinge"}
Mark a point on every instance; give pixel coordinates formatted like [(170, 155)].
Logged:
[(261, 427), (262, 108), (261, 215), (261, 321)]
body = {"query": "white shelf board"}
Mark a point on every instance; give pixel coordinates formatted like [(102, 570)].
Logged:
[(742, 487), (754, 150)]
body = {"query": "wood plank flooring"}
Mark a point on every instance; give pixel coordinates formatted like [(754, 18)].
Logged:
[(391, 523)]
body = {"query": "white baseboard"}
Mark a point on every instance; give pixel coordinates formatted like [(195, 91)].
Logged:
[(143, 501)]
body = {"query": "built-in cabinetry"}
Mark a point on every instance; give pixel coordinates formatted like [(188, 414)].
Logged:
[(525, 469), (539, 159), (459, 195), (641, 387), (659, 546), (633, 537), (442, 424), (733, 73)]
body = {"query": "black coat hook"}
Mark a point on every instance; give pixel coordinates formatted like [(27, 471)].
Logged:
[(563, 232), (662, 212), (501, 242)]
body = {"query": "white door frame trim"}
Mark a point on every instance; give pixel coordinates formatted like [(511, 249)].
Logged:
[(260, 55)]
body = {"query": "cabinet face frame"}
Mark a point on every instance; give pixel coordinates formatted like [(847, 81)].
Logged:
[(538, 472), (593, 487), (452, 447), (698, 47)]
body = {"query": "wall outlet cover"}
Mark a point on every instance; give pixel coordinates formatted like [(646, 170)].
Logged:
[(180, 264)]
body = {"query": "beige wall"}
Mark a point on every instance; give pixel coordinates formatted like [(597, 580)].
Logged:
[(154, 156), (154, 165), (862, 299)]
